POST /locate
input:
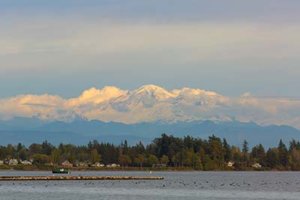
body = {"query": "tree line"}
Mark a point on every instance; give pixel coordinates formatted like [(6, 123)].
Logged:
[(166, 151)]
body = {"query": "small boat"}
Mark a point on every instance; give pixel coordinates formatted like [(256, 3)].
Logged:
[(60, 171)]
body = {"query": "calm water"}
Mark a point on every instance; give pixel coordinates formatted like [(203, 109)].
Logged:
[(177, 185)]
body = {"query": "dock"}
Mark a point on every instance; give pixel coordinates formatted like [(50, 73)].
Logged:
[(77, 178)]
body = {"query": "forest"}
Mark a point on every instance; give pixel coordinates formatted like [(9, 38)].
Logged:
[(166, 152)]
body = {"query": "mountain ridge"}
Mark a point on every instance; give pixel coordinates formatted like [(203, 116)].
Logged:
[(80, 131)]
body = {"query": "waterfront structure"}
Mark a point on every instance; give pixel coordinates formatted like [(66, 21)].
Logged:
[(256, 166), (26, 162), (13, 162), (230, 164), (66, 163)]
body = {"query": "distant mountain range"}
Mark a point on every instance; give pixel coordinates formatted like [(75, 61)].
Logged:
[(151, 103), (80, 131)]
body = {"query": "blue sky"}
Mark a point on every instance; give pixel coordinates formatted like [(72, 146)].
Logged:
[(232, 46)]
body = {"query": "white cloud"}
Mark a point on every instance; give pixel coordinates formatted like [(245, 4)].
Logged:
[(96, 96), (71, 44), (151, 103), (46, 107)]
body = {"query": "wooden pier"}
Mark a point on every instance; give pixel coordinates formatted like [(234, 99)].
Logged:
[(77, 178)]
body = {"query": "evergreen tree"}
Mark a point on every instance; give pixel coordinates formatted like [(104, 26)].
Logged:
[(95, 156), (258, 154), (227, 151), (282, 154), (272, 159), (245, 151), (216, 150)]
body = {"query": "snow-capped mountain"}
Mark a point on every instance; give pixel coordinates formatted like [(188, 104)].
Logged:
[(151, 103)]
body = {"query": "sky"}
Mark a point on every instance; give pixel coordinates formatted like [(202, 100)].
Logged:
[(63, 47)]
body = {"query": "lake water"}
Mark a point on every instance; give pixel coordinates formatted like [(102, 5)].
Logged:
[(177, 185)]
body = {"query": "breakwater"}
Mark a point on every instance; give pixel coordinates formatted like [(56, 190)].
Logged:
[(81, 178)]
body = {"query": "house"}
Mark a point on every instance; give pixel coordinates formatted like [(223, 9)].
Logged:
[(1, 162), (81, 164), (66, 163), (112, 165), (230, 164), (13, 162), (97, 164), (256, 166), (26, 162)]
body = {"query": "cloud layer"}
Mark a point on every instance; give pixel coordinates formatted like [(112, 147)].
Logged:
[(152, 103), (172, 51)]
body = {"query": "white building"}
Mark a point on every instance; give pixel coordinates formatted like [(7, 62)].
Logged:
[(13, 162), (113, 165), (26, 162), (66, 164), (82, 164), (256, 166), (230, 164), (97, 164)]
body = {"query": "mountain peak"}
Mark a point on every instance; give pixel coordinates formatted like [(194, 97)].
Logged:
[(154, 90), (150, 87)]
